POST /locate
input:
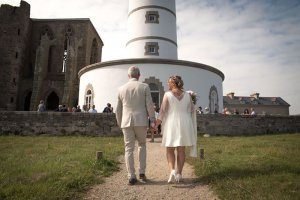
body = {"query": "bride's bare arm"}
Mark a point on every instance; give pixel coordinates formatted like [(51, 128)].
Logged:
[(191, 106), (163, 110)]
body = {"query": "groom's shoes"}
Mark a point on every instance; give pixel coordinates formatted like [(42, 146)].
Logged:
[(132, 181), (143, 177)]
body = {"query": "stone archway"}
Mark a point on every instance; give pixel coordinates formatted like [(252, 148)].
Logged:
[(52, 101), (27, 101)]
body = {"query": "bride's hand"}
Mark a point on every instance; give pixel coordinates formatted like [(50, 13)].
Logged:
[(157, 123)]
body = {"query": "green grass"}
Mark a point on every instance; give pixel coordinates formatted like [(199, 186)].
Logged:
[(256, 167), (54, 167)]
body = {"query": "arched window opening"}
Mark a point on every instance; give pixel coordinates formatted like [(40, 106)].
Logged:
[(213, 100), (27, 101), (65, 56), (88, 99), (52, 101), (68, 34)]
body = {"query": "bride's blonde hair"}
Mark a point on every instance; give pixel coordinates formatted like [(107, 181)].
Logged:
[(177, 81)]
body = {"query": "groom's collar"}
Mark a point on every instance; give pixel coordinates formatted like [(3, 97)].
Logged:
[(133, 79)]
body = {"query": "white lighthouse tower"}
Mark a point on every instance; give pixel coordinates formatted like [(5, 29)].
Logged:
[(152, 46), (152, 29)]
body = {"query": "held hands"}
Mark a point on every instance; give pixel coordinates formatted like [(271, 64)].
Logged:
[(157, 123), (153, 126)]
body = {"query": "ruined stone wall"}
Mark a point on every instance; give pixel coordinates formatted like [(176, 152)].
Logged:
[(15, 26), (32, 53), (101, 124)]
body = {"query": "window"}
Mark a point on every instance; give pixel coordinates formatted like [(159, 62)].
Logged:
[(151, 48), (156, 90), (88, 99), (65, 61), (152, 17), (17, 54), (213, 100), (154, 93)]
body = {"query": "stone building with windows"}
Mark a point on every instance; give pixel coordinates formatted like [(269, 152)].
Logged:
[(40, 58), (261, 105)]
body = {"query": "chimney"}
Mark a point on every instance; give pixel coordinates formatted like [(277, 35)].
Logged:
[(255, 95), (230, 95)]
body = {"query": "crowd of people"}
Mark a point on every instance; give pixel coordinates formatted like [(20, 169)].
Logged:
[(63, 108)]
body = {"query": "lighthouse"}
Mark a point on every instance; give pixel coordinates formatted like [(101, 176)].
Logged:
[(151, 29), (152, 46)]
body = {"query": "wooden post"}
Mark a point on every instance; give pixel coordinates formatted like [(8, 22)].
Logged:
[(99, 155), (201, 154)]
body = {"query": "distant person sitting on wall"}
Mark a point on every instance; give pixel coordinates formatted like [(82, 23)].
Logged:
[(108, 108), (59, 109), (253, 111), (85, 108), (93, 110), (246, 111), (199, 110), (226, 111), (206, 110), (78, 109), (235, 112), (64, 108), (41, 106)]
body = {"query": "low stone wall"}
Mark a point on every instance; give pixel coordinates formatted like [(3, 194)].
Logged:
[(218, 124), (58, 123), (102, 124)]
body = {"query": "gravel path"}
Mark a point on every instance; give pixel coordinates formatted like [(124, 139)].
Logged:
[(156, 186)]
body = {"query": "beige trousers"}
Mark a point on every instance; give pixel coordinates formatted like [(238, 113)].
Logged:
[(131, 134)]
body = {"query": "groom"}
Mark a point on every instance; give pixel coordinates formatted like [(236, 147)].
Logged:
[(133, 109)]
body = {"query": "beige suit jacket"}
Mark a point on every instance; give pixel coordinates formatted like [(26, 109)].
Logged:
[(134, 104)]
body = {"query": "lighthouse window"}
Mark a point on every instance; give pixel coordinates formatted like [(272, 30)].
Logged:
[(151, 48), (152, 17)]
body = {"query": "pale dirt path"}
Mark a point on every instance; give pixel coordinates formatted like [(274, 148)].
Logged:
[(156, 187)]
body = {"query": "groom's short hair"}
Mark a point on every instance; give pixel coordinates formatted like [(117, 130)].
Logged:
[(133, 72)]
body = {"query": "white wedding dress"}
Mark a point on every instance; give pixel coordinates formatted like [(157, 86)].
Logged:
[(176, 114)]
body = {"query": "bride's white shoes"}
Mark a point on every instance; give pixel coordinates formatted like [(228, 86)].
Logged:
[(178, 178), (172, 176)]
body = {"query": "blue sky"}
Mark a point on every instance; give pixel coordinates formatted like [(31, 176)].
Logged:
[(255, 43)]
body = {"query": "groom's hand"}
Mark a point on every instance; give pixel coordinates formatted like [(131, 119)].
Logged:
[(153, 126)]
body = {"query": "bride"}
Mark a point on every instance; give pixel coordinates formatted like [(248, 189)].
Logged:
[(178, 128)]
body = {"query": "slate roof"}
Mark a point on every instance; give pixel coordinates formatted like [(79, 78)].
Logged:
[(244, 100)]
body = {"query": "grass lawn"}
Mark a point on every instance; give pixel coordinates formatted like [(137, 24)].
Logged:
[(256, 167), (54, 167)]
